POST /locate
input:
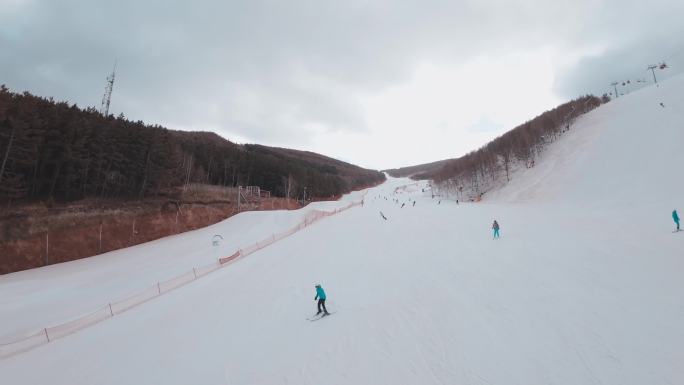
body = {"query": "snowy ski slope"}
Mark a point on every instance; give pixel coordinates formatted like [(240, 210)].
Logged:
[(584, 287), (34, 299)]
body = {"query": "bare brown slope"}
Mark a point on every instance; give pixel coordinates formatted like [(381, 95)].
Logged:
[(67, 172), (38, 234)]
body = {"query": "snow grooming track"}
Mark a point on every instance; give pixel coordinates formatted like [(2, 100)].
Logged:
[(23, 343), (583, 289)]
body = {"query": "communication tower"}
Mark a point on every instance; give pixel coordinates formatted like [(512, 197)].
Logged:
[(107, 97)]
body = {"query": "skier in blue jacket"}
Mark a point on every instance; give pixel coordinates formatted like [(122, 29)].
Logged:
[(320, 296), (675, 218)]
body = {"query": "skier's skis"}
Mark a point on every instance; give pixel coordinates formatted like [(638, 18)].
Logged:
[(320, 318), (314, 317), (317, 318)]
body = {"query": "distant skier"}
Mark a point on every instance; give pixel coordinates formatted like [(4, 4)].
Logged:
[(414, 203), (495, 227), (456, 202), (383, 215), (675, 218), (402, 205), (320, 296)]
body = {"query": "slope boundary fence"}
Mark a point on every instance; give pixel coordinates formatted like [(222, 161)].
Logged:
[(28, 341)]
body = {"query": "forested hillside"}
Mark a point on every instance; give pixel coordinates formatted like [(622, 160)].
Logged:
[(476, 172), (425, 168), (55, 151)]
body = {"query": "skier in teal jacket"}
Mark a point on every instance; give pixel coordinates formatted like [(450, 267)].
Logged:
[(675, 218), (320, 296), (495, 227)]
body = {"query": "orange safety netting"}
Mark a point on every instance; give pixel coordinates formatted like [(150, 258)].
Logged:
[(26, 342)]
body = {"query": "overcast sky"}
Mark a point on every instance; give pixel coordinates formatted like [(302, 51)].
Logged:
[(377, 83)]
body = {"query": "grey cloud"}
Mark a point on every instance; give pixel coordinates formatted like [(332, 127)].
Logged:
[(281, 71), (633, 35), (593, 74)]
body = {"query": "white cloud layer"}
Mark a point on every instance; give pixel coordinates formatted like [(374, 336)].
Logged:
[(377, 83)]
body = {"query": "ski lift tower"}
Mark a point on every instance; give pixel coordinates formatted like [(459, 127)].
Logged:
[(652, 67), (107, 97), (614, 84)]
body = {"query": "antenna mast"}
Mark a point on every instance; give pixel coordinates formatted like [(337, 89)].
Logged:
[(107, 97)]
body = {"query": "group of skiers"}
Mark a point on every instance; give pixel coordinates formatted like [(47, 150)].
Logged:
[(320, 293), (675, 218)]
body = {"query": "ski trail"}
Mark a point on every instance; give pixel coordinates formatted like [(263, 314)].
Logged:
[(582, 288)]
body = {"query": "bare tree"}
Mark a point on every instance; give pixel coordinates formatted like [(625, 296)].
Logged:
[(7, 151)]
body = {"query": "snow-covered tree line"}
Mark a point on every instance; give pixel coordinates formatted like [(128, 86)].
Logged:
[(472, 175)]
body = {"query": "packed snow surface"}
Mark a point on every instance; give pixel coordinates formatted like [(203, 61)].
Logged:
[(584, 286)]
